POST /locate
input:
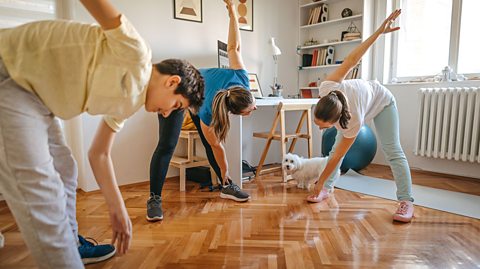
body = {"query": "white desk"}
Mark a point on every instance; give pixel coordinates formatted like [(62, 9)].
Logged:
[(234, 141)]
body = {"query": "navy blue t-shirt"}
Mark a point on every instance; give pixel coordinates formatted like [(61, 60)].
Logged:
[(217, 79)]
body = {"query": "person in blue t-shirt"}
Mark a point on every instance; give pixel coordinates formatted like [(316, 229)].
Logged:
[(226, 91)]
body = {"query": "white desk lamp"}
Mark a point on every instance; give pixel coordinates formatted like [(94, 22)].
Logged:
[(275, 52)]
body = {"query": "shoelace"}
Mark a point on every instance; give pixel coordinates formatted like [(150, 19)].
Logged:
[(234, 187), (88, 243), (403, 208), (157, 199)]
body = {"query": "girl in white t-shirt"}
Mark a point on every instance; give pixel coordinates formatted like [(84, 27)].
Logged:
[(347, 105)]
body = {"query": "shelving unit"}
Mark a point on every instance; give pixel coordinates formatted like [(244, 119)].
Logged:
[(318, 66), (327, 44), (347, 19), (329, 33)]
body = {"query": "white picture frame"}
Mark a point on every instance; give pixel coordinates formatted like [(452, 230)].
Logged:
[(255, 88)]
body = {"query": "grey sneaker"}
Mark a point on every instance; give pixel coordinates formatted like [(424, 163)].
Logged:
[(154, 208), (232, 191)]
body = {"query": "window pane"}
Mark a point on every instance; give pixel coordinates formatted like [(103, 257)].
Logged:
[(424, 37), (16, 12), (469, 54)]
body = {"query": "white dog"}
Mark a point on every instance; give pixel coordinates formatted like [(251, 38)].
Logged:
[(305, 171)]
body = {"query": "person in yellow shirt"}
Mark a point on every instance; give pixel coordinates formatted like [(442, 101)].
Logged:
[(54, 70)]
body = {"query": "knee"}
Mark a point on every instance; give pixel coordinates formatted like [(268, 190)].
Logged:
[(165, 148), (393, 151)]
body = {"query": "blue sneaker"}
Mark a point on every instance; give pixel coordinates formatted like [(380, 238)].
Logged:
[(92, 253)]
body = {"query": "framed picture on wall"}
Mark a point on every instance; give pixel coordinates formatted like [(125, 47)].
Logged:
[(189, 10), (245, 14), (255, 85)]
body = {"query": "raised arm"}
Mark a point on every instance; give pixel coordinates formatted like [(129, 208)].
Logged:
[(104, 13), (354, 57), (233, 46)]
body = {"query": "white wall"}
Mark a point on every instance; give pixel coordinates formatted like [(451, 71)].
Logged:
[(197, 43), (407, 103)]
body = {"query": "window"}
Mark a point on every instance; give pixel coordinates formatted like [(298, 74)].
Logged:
[(469, 53), (433, 35), (16, 12)]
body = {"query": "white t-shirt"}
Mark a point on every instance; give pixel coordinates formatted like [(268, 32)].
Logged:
[(366, 99)]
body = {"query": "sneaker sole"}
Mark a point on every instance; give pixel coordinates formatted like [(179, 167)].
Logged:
[(231, 197), (154, 219), (402, 219), (98, 259)]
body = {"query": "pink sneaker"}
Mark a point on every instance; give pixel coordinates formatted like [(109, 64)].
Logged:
[(404, 212), (322, 196)]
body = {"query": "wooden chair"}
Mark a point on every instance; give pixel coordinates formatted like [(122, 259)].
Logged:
[(191, 160), (283, 137)]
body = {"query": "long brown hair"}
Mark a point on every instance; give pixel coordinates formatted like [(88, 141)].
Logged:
[(332, 108), (233, 100)]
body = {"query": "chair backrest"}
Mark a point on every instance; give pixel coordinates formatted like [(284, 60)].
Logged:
[(293, 107), (280, 116)]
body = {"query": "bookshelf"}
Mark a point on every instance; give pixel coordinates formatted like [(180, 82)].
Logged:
[(320, 46)]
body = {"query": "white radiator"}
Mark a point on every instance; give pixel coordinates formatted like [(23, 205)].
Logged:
[(449, 124)]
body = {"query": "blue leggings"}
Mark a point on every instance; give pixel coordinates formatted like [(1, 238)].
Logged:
[(387, 129)]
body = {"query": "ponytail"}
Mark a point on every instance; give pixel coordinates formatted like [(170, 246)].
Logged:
[(332, 108), (234, 100), (220, 121), (345, 115)]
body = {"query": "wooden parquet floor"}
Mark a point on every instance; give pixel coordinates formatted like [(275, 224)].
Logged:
[(276, 229)]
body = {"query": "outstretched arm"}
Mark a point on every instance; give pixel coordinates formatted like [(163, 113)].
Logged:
[(104, 13), (233, 46), (102, 167), (354, 57), (217, 149), (342, 149)]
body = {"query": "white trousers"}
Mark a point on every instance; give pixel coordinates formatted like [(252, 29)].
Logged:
[(38, 176)]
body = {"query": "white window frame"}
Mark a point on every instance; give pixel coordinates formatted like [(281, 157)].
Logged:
[(453, 47), (23, 11)]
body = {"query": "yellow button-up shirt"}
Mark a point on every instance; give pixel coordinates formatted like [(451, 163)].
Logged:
[(75, 67)]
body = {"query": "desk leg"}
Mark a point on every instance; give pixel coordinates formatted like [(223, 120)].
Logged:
[(233, 148)]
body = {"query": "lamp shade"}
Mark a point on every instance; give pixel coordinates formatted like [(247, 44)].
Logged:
[(275, 50)]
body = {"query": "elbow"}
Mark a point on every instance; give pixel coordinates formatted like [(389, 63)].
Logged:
[(95, 155), (235, 48), (216, 145)]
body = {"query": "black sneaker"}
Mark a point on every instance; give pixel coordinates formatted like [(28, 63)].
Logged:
[(232, 191), (92, 253), (154, 208)]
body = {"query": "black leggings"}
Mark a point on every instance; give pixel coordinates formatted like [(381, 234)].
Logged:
[(169, 130)]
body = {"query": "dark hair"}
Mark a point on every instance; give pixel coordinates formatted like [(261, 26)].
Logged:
[(233, 100), (191, 85), (332, 108)]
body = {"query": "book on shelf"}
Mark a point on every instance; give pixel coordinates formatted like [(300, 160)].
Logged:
[(314, 58), (307, 59), (306, 93), (310, 16), (322, 57), (318, 14), (354, 73)]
